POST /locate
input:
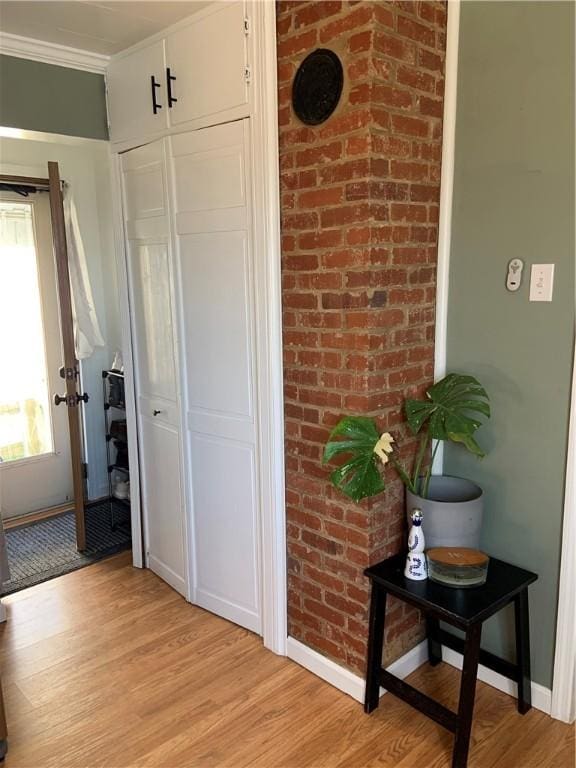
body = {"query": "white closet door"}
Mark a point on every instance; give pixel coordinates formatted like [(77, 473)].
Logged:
[(147, 232), (130, 95), (208, 59), (212, 225)]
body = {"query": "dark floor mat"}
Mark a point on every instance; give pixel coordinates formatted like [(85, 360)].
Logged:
[(46, 549)]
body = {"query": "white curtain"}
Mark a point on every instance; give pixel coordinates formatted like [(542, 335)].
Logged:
[(87, 333)]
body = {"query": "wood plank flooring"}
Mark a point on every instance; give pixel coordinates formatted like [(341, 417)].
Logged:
[(108, 667)]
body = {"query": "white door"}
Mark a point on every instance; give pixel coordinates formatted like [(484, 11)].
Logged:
[(137, 100), (207, 58), (34, 440), (212, 223), (149, 268)]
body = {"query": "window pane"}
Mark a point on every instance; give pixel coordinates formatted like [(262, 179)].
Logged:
[(25, 424)]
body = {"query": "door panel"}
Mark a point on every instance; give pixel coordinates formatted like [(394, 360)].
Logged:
[(153, 310), (130, 93), (215, 258), (224, 500), (214, 44), (149, 268), (162, 494), (217, 322)]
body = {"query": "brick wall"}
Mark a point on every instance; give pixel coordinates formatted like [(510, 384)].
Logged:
[(359, 230)]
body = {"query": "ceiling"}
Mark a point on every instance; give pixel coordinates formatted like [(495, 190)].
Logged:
[(99, 27)]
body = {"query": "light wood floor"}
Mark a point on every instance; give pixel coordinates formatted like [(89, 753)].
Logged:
[(109, 667)]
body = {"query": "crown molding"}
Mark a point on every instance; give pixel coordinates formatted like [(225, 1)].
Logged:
[(52, 53)]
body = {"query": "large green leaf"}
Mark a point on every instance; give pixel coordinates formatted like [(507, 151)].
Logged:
[(359, 476), (453, 410)]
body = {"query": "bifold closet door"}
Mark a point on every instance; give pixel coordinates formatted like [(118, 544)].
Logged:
[(149, 268), (212, 215)]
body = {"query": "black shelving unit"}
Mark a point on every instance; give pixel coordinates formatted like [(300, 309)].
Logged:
[(116, 438)]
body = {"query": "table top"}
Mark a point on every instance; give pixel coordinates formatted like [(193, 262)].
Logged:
[(459, 606)]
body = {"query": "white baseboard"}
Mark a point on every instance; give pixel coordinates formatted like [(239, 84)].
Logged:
[(353, 685), (541, 696), (342, 678)]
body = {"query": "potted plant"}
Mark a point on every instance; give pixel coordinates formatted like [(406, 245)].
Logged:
[(451, 506)]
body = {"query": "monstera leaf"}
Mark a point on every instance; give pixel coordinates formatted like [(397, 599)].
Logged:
[(358, 477), (453, 410)]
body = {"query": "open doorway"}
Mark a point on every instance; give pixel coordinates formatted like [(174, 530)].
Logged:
[(49, 470)]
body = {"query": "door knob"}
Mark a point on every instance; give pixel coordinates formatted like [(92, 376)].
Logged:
[(71, 400), (155, 412)]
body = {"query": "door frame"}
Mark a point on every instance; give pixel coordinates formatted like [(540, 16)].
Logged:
[(263, 147), (264, 151), (53, 185), (563, 705), (39, 203), (121, 253)]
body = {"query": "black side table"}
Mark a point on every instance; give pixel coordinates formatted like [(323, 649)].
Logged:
[(466, 609)]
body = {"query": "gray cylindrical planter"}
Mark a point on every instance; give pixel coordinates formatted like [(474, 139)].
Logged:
[(452, 516)]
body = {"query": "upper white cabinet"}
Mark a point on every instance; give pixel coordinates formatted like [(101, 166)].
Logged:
[(194, 75), (137, 93), (208, 58)]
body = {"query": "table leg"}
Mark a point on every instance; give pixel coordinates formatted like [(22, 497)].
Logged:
[(433, 637), (467, 694), (375, 646), (521, 617)]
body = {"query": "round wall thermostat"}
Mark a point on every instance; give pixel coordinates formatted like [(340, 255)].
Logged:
[(317, 86)]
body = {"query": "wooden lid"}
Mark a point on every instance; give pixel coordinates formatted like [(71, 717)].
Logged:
[(457, 556)]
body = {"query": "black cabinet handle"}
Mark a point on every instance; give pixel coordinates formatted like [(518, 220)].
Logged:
[(155, 105), (169, 79)]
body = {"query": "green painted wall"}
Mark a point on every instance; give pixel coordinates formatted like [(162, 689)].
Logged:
[(514, 197), (43, 97)]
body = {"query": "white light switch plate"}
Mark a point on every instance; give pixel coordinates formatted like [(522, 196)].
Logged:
[(541, 282)]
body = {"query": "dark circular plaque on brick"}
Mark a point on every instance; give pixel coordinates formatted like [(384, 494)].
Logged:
[(317, 86)]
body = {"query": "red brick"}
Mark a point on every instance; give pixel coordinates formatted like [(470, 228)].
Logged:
[(352, 169), (314, 12), (318, 609), (300, 43), (383, 15), (319, 154), (431, 61), (358, 145), (301, 300), (358, 17), (433, 107), (337, 217), (326, 238), (402, 169), (319, 198), (345, 124), (412, 126), (360, 42), (394, 47), (388, 96), (415, 78), (416, 31), (404, 212)]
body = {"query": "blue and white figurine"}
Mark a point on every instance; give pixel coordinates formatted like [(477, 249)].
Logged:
[(416, 565)]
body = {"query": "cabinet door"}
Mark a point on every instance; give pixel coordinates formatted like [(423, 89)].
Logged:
[(149, 269), (130, 99), (212, 209), (208, 59)]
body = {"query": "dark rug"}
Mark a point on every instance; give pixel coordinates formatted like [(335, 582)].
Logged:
[(43, 550)]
